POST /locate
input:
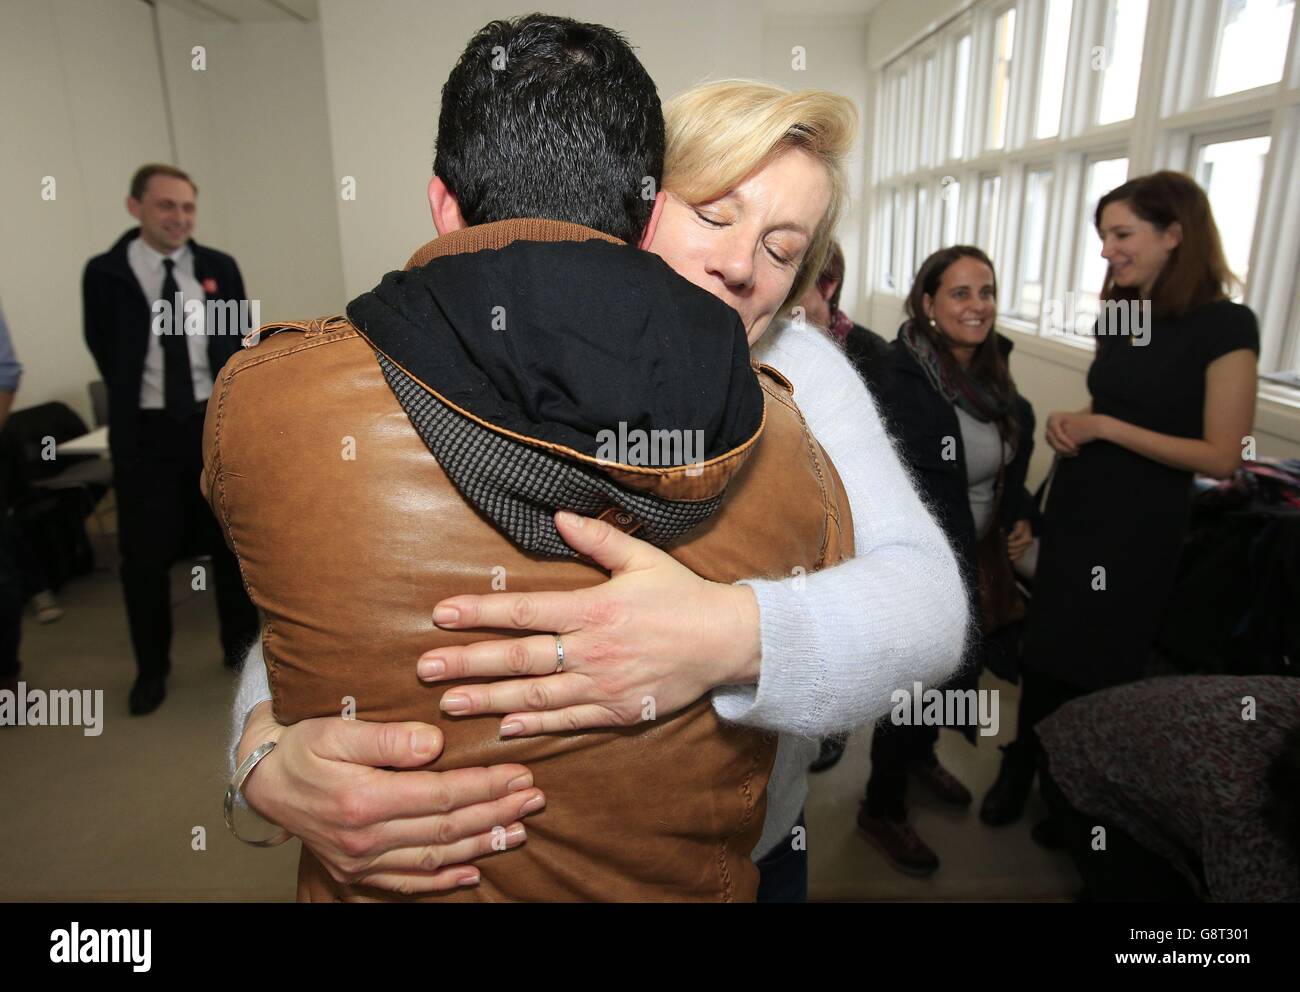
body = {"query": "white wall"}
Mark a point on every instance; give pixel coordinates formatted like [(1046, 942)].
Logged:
[(386, 63), (835, 58), (84, 103), (70, 70)]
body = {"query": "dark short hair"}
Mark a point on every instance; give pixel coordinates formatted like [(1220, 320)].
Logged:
[(140, 181), (547, 117)]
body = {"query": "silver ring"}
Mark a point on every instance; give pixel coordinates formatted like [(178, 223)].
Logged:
[(559, 655)]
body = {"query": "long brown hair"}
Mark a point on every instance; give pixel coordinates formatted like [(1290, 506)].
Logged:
[(1196, 272), (988, 366)]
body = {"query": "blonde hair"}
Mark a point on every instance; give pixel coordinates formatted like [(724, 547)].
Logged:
[(720, 133)]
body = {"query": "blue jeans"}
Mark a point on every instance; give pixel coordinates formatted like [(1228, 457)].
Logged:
[(783, 871)]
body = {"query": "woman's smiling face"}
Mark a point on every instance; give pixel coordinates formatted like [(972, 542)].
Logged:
[(746, 246), (1136, 249)]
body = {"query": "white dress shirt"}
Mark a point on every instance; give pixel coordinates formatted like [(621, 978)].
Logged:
[(147, 264)]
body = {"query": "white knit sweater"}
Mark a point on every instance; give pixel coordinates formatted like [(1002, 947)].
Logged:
[(836, 643)]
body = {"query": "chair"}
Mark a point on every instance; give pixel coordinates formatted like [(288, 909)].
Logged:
[(34, 478)]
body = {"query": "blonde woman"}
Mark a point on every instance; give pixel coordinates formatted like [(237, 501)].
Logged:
[(754, 183)]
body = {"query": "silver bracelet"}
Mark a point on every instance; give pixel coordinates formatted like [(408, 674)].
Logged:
[(234, 789)]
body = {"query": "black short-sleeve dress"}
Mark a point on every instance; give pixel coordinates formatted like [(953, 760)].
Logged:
[(1114, 521)]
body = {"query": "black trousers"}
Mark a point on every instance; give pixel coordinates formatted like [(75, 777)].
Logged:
[(12, 598), (893, 748), (1041, 695), (161, 517)]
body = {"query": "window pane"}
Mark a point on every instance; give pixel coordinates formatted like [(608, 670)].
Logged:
[(907, 216), (1232, 173), (950, 196), (1051, 88), (929, 93), (1090, 269), (1252, 44), (1004, 38), (961, 98), (905, 119), (921, 241), (888, 218), (1033, 242), (1126, 28), (986, 224)]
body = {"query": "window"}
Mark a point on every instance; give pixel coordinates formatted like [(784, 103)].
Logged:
[(920, 241), (1033, 243), (1232, 174), (1056, 52), (950, 199), (928, 121), (1251, 46), (907, 265), (887, 276), (1101, 177), (1126, 25), (986, 222), (960, 97), (1037, 116), (1004, 38)]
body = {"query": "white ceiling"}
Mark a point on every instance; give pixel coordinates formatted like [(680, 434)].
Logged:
[(242, 11)]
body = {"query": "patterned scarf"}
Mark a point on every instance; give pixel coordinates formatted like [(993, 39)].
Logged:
[(949, 379)]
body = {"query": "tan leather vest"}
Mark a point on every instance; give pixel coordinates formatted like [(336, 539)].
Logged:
[(346, 557)]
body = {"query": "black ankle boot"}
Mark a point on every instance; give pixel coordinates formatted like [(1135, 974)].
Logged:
[(1005, 801)]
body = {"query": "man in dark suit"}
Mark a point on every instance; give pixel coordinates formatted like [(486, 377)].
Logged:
[(162, 315)]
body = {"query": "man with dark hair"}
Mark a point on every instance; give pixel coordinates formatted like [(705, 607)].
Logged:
[(366, 466), (159, 359), (549, 118)]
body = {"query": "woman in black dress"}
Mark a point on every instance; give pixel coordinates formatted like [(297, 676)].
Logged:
[(1173, 393)]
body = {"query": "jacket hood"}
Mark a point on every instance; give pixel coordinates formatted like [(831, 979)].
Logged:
[(565, 342)]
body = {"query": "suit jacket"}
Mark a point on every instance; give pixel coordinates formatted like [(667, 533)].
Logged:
[(116, 317)]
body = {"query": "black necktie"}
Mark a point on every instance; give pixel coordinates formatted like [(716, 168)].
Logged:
[(178, 383)]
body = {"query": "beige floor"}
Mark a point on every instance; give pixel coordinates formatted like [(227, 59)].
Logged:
[(116, 817)]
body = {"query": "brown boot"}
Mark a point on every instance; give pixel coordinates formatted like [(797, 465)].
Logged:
[(898, 842), (941, 782)]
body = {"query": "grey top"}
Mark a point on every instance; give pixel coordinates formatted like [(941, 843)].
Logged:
[(984, 448)]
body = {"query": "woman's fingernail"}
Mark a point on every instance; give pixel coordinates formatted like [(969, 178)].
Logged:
[(573, 519), (431, 668), (511, 728), (469, 878), (421, 743), (455, 702), (516, 834), (533, 805), (446, 614), (522, 782)]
